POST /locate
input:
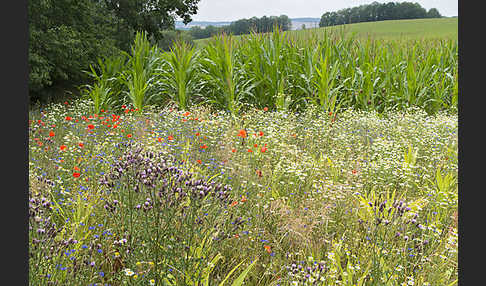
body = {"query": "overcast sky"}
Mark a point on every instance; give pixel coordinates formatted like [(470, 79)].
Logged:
[(231, 10)]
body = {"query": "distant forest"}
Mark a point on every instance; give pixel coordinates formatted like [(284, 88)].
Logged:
[(377, 12), (244, 26)]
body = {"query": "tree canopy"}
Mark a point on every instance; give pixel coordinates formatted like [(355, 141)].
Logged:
[(65, 36), (377, 12), (244, 26)]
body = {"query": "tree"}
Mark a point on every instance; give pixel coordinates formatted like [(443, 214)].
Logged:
[(433, 13), (171, 36), (152, 16), (66, 36), (377, 12)]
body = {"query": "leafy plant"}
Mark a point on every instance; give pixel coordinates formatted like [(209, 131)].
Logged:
[(223, 74), (140, 72), (178, 74)]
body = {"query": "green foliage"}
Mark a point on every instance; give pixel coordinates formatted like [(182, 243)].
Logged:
[(152, 16), (284, 71), (377, 12), (245, 26), (108, 86), (169, 37), (64, 39), (140, 72), (66, 36), (178, 74), (226, 83)]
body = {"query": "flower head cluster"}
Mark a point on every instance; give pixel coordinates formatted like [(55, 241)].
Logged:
[(301, 273), (161, 174)]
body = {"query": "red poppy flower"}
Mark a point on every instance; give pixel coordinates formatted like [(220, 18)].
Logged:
[(354, 172), (81, 145), (186, 114), (160, 139), (76, 169), (263, 150), (234, 203), (204, 146), (249, 151), (199, 161), (62, 147), (91, 126), (242, 133), (115, 126), (260, 133), (66, 103), (51, 134), (68, 118), (124, 106), (233, 150), (129, 135), (170, 137), (243, 199), (76, 175), (265, 108), (267, 248), (197, 134), (255, 145)]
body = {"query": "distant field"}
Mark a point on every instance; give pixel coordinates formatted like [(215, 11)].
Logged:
[(444, 28), (416, 28)]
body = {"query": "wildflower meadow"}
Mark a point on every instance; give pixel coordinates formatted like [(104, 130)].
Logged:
[(270, 160)]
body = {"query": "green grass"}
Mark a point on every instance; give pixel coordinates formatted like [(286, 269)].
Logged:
[(444, 28)]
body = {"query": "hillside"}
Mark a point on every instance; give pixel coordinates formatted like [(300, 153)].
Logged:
[(392, 29)]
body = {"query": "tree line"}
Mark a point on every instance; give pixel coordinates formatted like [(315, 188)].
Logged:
[(244, 26), (378, 12)]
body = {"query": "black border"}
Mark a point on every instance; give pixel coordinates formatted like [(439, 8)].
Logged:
[(14, 94), (471, 170)]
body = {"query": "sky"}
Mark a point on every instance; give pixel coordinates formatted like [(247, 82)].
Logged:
[(232, 10)]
